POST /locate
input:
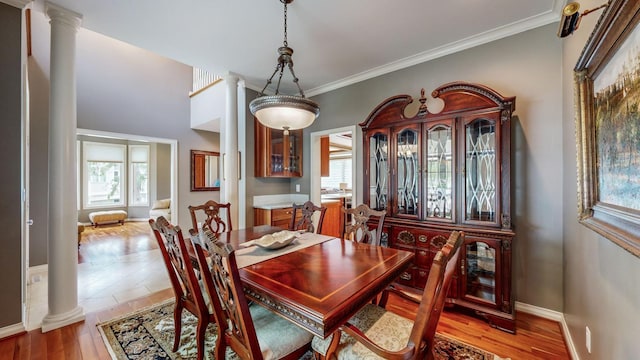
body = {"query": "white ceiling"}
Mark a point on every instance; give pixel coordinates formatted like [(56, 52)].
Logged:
[(336, 43)]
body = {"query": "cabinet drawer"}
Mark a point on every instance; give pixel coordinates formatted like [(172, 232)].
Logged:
[(422, 258), (420, 277), (281, 223), (407, 277), (430, 239), (281, 214)]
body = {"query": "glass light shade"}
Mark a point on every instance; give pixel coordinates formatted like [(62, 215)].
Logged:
[(284, 112)]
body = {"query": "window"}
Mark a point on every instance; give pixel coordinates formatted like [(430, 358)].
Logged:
[(103, 172), (339, 172), (138, 175)]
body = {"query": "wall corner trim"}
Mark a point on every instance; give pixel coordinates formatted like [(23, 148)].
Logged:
[(555, 316)]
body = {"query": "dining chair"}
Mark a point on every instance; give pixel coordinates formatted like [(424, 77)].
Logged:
[(253, 332), (212, 219), (358, 229), (306, 221), (186, 287), (375, 332)]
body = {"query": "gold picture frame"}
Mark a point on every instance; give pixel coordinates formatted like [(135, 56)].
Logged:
[(607, 89)]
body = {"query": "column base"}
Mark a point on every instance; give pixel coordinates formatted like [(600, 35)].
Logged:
[(52, 322)]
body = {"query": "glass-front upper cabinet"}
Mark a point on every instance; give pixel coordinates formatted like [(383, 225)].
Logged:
[(277, 154), (407, 171), (440, 170), (377, 146), (481, 170)]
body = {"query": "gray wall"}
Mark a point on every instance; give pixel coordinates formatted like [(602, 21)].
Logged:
[(10, 148), (602, 281), (121, 89), (528, 66)]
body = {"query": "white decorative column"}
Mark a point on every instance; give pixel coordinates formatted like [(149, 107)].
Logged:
[(63, 212), (230, 143)]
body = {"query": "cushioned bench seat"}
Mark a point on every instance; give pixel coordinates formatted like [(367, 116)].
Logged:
[(101, 217)]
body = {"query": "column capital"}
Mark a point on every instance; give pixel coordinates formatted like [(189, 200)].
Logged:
[(62, 15), (231, 78)]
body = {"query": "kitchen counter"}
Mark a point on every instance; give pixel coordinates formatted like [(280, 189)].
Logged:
[(274, 206)]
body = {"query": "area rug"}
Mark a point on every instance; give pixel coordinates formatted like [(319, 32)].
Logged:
[(148, 334)]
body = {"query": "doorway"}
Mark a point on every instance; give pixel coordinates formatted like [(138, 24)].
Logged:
[(342, 140), (36, 292)]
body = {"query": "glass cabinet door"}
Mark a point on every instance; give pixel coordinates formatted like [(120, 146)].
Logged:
[(378, 170), (479, 272), (286, 153), (294, 149), (439, 172), (276, 144), (481, 166), (407, 171)]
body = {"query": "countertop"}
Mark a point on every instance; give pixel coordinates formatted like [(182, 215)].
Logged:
[(273, 206)]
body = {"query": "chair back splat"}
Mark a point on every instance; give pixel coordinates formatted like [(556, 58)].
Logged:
[(186, 287), (374, 332), (212, 220), (359, 230), (253, 332), (306, 221)]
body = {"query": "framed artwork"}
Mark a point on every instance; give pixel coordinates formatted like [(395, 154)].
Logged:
[(607, 78)]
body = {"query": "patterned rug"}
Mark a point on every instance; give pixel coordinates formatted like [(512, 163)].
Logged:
[(148, 334)]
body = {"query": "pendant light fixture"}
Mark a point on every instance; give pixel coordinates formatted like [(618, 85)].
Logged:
[(284, 112)]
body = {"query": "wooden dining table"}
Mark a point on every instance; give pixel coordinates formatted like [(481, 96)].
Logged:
[(322, 286)]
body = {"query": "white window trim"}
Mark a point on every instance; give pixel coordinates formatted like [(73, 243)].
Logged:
[(85, 180), (131, 174)]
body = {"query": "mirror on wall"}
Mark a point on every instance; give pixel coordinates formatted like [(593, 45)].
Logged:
[(205, 170)]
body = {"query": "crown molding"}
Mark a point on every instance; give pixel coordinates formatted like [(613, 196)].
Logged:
[(16, 3), (533, 22)]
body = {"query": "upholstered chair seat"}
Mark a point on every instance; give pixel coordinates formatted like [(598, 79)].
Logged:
[(385, 328), (277, 336)]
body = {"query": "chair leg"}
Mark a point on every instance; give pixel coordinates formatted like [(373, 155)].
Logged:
[(221, 347), (177, 324), (200, 333)]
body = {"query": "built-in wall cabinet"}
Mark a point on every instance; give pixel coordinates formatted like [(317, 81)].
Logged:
[(438, 171), (277, 154)]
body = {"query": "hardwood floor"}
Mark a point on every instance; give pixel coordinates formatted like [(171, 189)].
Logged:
[(535, 338), (114, 240)]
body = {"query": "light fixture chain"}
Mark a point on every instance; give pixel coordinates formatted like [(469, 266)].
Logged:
[(285, 24)]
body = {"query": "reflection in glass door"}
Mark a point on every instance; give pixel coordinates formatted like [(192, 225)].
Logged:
[(439, 172), (379, 171), (481, 271), (480, 170), (407, 172)]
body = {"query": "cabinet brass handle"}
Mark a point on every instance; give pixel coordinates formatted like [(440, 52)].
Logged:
[(462, 269), (405, 276), (422, 238)]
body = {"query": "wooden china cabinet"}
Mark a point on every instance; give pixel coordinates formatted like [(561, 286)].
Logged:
[(277, 154), (438, 172)]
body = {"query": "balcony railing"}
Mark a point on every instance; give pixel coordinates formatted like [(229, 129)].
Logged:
[(202, 80)]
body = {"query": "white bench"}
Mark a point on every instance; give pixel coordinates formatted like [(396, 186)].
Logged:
[(100, 217)]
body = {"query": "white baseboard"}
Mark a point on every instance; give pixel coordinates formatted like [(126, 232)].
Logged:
[(11, 330), (555, 316)]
